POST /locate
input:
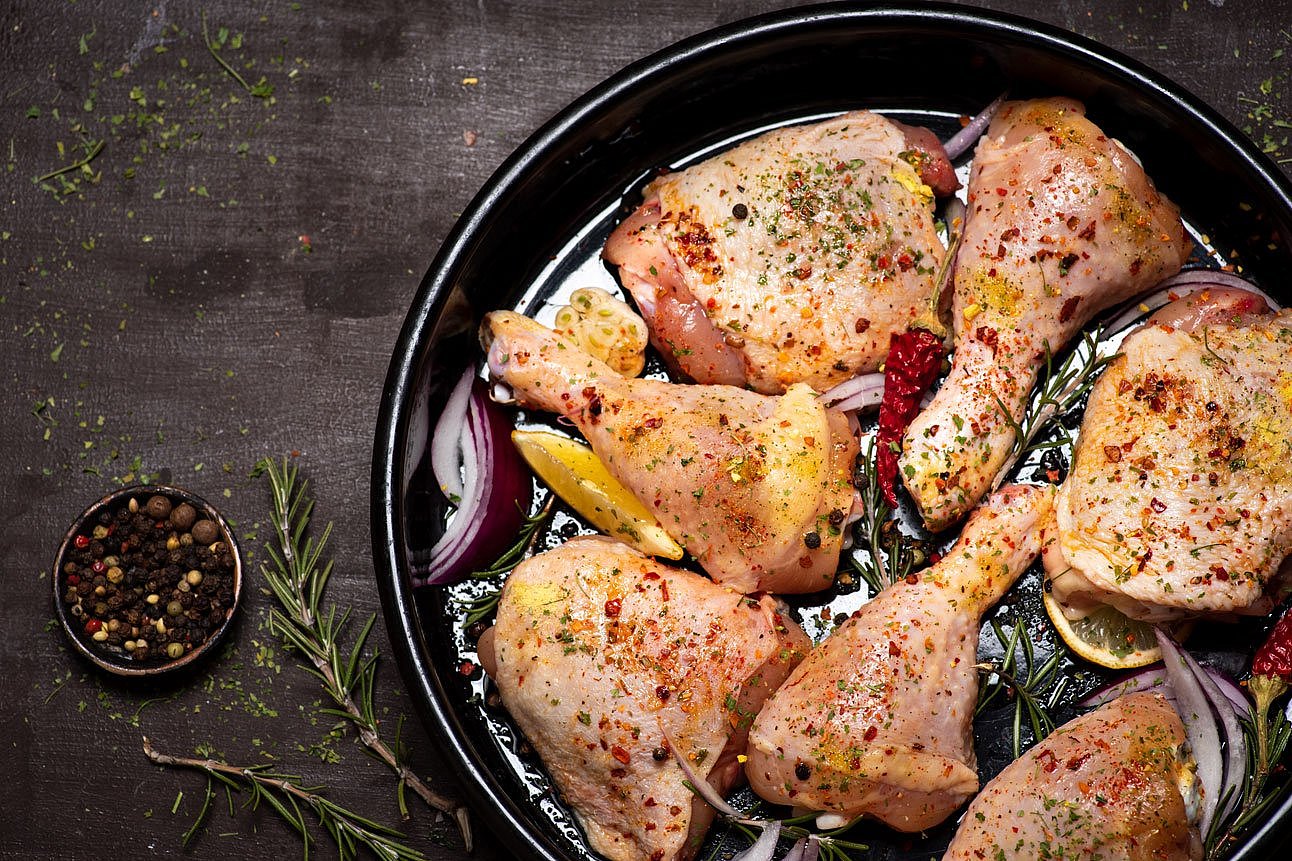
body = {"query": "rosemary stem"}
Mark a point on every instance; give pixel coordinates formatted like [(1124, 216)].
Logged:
[(95, 149), (374, 742), (212, 765)]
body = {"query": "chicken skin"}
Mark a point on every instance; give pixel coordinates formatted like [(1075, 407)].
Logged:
[(877, 720), (1179, 502), (1062, 222), (1109, 784), (756, 487), (790, 258), (612, 664)]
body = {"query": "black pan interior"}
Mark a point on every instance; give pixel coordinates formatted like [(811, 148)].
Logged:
[(545, 213)]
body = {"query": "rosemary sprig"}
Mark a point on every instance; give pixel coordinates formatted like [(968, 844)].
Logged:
[(890, 556), (287, 796), (298, 579), (1035, 689), (1063, 389), (92, 150), (482, 606), (261, 90), (1268, 734)]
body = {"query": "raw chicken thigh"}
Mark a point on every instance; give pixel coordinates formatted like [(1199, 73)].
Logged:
[(1109, 784), (1180, 497), (877, 720), (757, 488), (1062, 222), (612, 663), (790, 258)]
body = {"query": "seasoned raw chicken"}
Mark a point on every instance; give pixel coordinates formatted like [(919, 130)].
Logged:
[(609, 660), (1179, 501), (1110, 784), (791, 257), (878, 719), (757, 488), (1062, 222)]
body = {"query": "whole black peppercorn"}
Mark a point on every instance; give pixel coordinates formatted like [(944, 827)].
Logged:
[(659, 754), (812, 540), (802, 771), (740, 211)]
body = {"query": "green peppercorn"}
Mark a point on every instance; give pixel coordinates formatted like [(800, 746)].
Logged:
[(174, 608), (193, 577), (175, 650)]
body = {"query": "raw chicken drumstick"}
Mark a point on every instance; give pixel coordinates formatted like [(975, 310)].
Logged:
[(612, 664), (1179, 501), (792, 257), (757, 488), (877, 720), (1109, 784), (1062, 222)]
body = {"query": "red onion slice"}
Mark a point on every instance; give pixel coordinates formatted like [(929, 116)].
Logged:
[(1154, 679), (1199, 724), (963, 140), (1148, 679), (796, 851), (448, 443), (704, 788), (495, 491), (1237, 699), (861, 391), (764, 848), (1235, 742), (1180, 286), (1217, 278)]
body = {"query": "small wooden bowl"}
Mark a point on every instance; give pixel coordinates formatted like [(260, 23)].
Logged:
[(115, 659)]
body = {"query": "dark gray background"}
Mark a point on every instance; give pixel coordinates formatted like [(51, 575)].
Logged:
[(229, 285)]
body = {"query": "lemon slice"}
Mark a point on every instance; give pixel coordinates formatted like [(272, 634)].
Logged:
[(1106, 636), (579, 477)]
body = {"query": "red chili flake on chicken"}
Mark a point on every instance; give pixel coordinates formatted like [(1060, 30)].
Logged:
[(914, 359), (620, 754), (613, 607)]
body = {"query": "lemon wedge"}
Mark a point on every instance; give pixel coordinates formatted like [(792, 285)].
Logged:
[(1106, 636), (579, 477)]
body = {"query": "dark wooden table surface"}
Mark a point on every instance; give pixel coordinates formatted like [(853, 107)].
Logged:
[(226, 281)]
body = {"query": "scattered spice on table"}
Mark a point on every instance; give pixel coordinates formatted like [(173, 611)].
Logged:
[(148, 580)]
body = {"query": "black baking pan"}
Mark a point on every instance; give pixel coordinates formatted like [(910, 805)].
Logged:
[(538, 225)]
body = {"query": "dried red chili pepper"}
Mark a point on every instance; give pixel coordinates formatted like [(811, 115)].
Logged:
[(1274, 658), (1271, 674), (914, 359)]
